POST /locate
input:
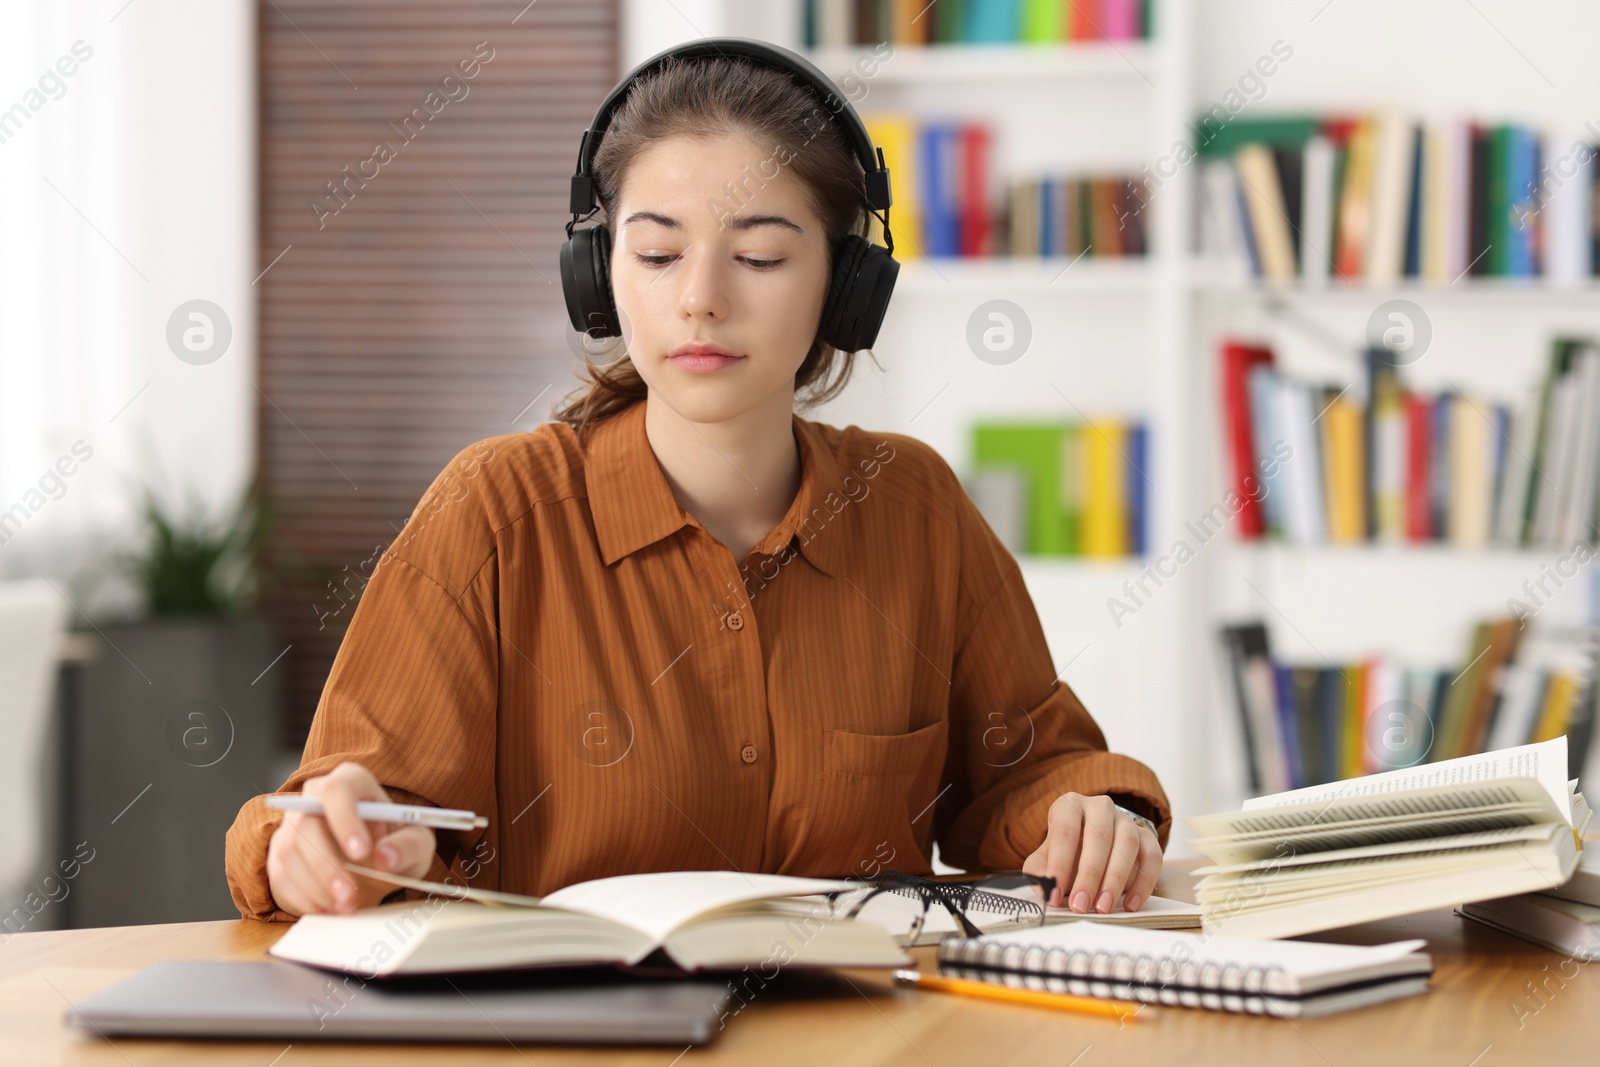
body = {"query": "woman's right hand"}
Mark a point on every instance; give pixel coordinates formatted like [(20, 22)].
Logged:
[(306, 854)]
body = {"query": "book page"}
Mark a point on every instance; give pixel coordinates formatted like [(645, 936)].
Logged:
[(654, 904), (1371, 816), (657, 904), (1545, 761)]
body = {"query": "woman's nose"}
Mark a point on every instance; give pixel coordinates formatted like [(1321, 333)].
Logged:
[(704, 292)]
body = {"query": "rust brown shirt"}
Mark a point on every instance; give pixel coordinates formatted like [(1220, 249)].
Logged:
[(553, 642)]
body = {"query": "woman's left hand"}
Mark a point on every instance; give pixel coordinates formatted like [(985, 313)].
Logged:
[(1097, 855)]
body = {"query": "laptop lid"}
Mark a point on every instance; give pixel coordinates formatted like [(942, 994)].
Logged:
[(277, 1000)]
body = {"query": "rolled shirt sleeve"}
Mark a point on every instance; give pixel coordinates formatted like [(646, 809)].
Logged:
[(411, 697)]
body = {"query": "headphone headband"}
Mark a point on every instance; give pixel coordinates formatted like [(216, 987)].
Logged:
[(863, 274), (582, 199)]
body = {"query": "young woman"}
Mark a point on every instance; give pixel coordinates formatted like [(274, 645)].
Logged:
[(682, 627)]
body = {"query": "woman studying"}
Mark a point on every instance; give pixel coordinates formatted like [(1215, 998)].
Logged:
[(682, 627)]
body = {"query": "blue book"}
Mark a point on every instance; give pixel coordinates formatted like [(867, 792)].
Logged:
[(1263, 435), (992, 20), (1523, 178), (1289, 725), (941, 220), (1138, 487), (1048, 225)]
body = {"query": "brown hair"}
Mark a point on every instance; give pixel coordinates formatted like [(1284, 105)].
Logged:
[(713, 97)]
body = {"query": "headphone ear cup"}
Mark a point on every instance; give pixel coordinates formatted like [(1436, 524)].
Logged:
[(858, 297), (586, 283)]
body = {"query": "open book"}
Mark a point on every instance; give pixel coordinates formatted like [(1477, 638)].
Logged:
[(1438, 835), (696, 920)]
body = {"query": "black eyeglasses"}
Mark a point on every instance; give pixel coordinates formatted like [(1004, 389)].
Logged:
[(977, 907)]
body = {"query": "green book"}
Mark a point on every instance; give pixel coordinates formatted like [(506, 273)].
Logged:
[(1449, 739), (1499, 226), (1561, 353), (950, 20), (1041, 21), (1035, 448), (1291, 131)]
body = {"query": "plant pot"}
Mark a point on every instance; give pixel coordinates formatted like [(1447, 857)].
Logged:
[(174, 727)]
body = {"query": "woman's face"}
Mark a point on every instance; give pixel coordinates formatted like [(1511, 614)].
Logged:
[(693, 265)]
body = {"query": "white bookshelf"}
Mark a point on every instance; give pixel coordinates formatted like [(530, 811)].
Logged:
[(1137, 338), (1110, 337)]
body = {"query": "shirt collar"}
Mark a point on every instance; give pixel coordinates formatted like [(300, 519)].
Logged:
[(633, 505)]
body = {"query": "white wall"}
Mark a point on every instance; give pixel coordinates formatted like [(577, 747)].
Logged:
[(1502, 59), (154, 145)]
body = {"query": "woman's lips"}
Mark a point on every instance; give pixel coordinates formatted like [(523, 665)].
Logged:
[(703, 362)]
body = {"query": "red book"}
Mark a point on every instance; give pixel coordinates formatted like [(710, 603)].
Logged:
[(1081, 18), (1419, 464), (1338, 130), (1237, 359), (975, 222)]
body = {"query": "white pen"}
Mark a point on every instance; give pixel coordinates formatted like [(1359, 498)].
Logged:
[(375, 811)]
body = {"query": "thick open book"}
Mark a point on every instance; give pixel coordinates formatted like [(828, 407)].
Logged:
[(1438, 835), (1285, 978), (695, 920)]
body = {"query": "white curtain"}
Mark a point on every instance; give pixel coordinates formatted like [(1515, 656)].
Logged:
[(127, 174)]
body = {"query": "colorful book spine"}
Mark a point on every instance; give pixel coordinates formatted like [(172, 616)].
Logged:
[(1105, 515), (835, 23), (1085, 487), (1434, 200), (1321, 462)]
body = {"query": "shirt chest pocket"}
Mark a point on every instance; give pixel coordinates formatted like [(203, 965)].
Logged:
[(873, 810)]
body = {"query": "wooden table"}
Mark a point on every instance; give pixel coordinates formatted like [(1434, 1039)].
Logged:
[(1468, 1019)]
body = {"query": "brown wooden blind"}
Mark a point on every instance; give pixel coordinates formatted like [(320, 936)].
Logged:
[(417, 207)]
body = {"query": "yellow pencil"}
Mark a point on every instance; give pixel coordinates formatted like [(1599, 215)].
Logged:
[(1120, 1009)]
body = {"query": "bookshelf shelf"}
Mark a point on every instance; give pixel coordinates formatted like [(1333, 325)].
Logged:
[(1081, 567), (1382, 553), (999, 275), (1133, 61), (1212, 281)]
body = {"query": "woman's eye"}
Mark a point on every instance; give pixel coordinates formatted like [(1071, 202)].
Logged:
[(658, 261)]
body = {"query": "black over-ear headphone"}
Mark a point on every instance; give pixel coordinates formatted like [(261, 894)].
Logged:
[(863, 273)]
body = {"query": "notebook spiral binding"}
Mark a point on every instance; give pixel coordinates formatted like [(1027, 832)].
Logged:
[(1137, 976)]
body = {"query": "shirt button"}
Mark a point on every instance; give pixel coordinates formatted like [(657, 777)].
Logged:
[(736, 622), (748, 753)]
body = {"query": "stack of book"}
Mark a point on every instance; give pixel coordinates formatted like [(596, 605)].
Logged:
[(1063, 488), (1316, 462), (1566, 918), (1390, 844), (1305, 724), (943, 202), (1383, 197), (842, 23)]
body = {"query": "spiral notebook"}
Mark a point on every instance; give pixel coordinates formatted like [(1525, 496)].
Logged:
[(1290, 979)]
